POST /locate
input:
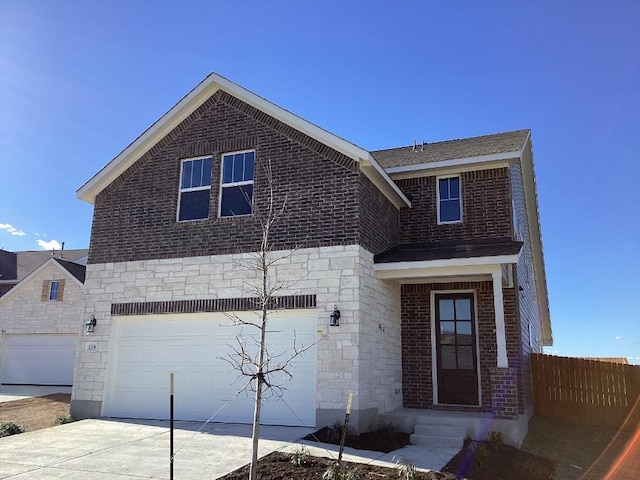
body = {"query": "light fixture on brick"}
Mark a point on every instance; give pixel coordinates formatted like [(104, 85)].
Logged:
[(90, 325)]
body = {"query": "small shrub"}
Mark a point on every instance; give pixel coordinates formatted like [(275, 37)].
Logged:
[(299, 457), (10, 428), (495, 436), (480, 454), (339, 472), (335, 432), (389, 430), (62, 419), (406, 469)]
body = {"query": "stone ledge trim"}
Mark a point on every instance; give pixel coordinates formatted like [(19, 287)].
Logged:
[(289, 302)]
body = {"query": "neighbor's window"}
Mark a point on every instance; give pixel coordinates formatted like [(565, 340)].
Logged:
[(449, 200), (236, 186), (195, 189), (53, 290)]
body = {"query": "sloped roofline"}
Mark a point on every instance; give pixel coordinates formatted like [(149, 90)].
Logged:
[(196, 97), (525, 157), (28, 278)]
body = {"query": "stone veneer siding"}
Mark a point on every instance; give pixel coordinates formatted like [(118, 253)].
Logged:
[(24, 312), (135, 216), (417, 361), (362, 354), (486, 210)]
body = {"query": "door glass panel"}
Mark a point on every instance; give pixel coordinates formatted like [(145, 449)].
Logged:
[(464, 333), (463, 309), (446, 309), (448, 357), (447, 333), (465, 358)]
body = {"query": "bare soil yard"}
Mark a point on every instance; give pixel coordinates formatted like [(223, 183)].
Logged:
[(35, 413)]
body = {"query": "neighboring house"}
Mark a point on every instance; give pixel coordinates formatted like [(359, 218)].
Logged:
[(432, 254), (16, 266), (40, 321)]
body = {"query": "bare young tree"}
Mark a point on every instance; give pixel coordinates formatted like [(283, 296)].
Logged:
[(259, 367)]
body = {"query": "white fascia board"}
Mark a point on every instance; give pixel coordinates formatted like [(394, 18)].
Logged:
[(535, 237), (191, 102), (456, 162), (372, 169), (444, 268), (33, 274)]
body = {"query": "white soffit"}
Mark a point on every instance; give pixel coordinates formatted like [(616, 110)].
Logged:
[(457, 165), (443, 268), (196, 97)]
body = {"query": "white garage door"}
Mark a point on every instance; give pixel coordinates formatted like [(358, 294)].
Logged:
[(145, 349), (38, 359)]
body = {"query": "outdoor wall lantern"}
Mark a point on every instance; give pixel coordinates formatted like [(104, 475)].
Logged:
[(90, 325), (335, 317)]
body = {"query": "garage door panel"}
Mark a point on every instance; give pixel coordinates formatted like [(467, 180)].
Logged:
[(39, 359), (195, 349)]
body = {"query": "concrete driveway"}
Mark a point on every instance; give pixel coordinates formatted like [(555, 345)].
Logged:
[(113, 449), (106, 449)]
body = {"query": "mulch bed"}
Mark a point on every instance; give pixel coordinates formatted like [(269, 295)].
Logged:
[(379, 441), (278, 466)]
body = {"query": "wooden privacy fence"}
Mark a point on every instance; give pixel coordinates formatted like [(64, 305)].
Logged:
[(587, 391)]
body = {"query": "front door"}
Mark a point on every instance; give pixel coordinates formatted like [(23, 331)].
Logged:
[(456, 349)]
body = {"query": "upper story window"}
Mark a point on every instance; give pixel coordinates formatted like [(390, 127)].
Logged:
[(52, 291), (449, 200), (236, 186), (195, 189)]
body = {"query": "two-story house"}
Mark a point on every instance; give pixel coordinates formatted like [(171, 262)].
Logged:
[(431, 253)]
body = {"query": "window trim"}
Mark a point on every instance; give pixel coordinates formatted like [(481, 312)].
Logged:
[(192, 189), (446, 177), (235, 184), (52, 297)]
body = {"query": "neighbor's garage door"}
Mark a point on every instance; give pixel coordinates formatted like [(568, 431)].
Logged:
[(194, 346), (38, 359)]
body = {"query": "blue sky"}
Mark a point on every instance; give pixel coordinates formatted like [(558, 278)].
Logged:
[(80, 80)]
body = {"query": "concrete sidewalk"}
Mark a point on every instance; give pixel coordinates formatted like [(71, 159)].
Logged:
[(117, 450)]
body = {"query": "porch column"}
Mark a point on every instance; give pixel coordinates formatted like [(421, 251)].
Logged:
[(498, 307)]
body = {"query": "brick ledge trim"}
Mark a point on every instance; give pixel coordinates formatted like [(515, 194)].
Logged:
[(212, 305)]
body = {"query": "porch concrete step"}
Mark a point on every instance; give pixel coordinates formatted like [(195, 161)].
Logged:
[(438, 435), (456, 431)]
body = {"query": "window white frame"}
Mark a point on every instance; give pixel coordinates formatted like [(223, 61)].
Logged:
[(182, 190), (438, 200), (224, 185), (54, 288)]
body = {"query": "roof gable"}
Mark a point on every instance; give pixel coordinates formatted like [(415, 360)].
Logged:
[(194, 99), (73, 271)]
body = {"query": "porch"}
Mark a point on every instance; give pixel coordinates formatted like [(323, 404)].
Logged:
[(431, 427)]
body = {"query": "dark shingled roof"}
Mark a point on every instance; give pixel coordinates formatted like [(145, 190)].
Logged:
[(29, 261), (74, 269), (8, 265), (448, 250), (452, 149)]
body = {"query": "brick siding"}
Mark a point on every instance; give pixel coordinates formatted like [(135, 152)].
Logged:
[(135, 217), (379, 219), (417, 385), (486, 211)]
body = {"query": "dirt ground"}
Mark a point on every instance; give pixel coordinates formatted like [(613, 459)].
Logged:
[(35, 413), (572, 447)]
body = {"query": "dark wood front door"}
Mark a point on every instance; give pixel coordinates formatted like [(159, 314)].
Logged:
[(456, 349)]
